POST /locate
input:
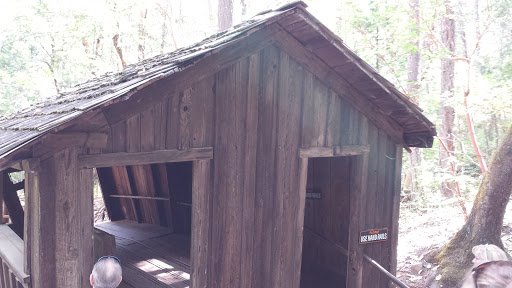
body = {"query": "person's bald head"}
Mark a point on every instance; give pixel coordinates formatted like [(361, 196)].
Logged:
[(106, 273)]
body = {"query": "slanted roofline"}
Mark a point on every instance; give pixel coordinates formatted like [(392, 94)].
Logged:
[(325, 54)]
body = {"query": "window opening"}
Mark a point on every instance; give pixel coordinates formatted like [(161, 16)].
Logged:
[(150, 212)]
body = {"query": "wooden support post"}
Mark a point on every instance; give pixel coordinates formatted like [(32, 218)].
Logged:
[(357, 216), (62, 222), (31, 168), (201, 188), (42, 214), (303, 179), (396, 209)]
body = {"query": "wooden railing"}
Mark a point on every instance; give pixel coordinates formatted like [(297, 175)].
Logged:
[(12, 273)]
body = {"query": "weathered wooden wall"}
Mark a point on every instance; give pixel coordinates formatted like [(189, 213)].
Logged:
[(257, 113)]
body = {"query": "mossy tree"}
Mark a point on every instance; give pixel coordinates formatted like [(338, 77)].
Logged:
[(486, 218)]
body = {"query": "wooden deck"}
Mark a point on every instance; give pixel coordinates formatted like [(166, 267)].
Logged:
[(150, 255)]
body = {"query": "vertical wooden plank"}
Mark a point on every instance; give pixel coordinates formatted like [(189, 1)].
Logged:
[(333, 136), (287, 173), (2, 280), (185, 109), (363, 130), (6, 275), (67, 219), (119, 137), (345, 122), (307, 111), (248, 206), (396, 208), (277, 245), (132, 138), (314, 123), (142, 178), (85, 204), (321, 98), (13, 280), (299, 222), (265, 168), (357, 217), (122, 183), (173, 122), (387, 206), (372, 205), (201, 193), (227, 196), (202, 110), (43, 229), (150, 128), (380, 216), (133, 134), (164, 106), (31, 168)]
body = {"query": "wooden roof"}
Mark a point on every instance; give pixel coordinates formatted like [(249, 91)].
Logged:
[(22, 128)]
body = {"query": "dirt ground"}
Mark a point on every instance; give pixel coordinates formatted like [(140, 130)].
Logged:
[(424, 231)]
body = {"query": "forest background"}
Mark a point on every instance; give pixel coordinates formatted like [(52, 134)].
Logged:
[(452, 58)]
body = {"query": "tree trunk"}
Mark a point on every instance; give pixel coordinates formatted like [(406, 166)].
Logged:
[(471, 129), (412, 89), (115, 39), (225, 13), (486, 218), (446, 110)]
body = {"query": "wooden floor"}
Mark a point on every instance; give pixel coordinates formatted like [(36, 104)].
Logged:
[(150, 255)]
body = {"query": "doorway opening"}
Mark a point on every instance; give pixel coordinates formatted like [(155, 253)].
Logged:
[(150, 208), (326, 222)]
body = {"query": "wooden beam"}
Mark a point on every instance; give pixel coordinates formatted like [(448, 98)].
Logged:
[(12, 160), (334, 151), (331, 78), (56, 142), (17, 165), (137, 158), (140, 197)]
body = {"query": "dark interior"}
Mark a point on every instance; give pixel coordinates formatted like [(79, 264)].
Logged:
[(326, 223)]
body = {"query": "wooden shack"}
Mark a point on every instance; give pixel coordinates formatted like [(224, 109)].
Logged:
[(268, 155)]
